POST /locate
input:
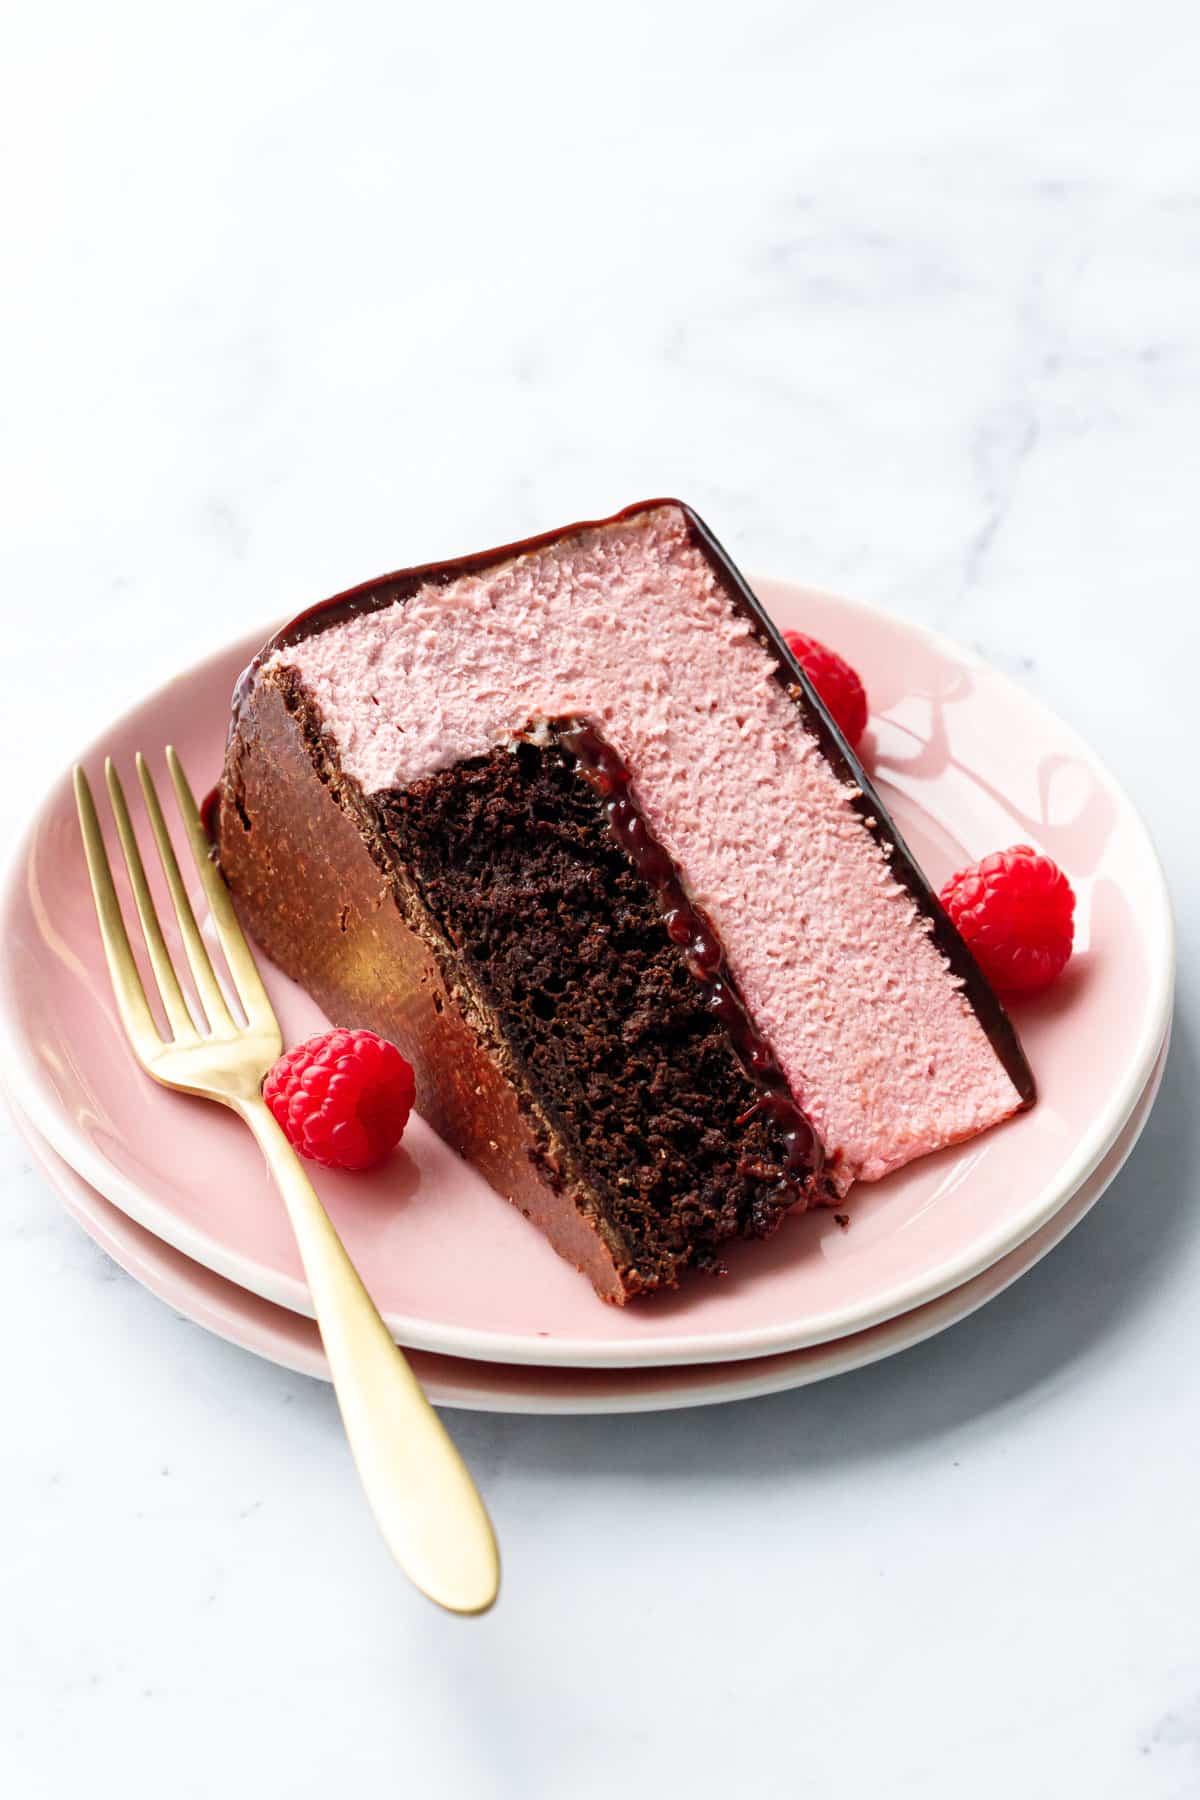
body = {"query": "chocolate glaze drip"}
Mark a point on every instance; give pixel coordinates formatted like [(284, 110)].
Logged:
[(400, 586), (687, 926)]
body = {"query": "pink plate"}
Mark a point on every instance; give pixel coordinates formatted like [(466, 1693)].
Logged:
[(968, 762), (288, 1338)]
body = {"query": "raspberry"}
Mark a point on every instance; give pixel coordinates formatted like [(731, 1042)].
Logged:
[(342, 1098), (1016, 911), (837, 684)]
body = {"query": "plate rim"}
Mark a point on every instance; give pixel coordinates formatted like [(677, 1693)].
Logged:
[(18, 1066), (663, 1396)]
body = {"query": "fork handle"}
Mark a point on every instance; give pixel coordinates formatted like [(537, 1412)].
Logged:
[(424, 1500)]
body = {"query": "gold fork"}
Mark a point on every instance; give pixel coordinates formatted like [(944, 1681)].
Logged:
[(425, 1502)]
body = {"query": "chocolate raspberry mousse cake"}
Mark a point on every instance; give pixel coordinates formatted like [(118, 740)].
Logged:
[(567, 823)]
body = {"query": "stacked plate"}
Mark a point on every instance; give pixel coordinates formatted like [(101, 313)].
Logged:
[(174, 1190)]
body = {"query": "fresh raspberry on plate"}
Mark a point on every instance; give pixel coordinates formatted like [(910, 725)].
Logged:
[(841, 690), (1016, 911), (342, 1098)]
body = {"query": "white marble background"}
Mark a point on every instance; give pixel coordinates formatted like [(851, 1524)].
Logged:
[(906, 299)]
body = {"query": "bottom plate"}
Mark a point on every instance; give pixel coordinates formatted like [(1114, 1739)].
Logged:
[(292, 1340)]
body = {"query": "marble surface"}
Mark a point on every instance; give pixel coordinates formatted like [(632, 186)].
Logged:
[(905, 299)]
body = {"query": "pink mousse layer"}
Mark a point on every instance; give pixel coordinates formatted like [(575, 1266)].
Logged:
[(627, 625)]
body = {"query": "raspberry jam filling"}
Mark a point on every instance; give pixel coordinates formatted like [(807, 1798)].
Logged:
[(687, 926)]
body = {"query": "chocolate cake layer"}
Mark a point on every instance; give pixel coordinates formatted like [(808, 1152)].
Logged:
[(489, 922), (679, 1134)]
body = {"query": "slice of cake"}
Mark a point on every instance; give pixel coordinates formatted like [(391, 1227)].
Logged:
[(566, 822)]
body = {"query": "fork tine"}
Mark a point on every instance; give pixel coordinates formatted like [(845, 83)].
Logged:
[(211, 998), (241, 962), (130, 995), (182, 1025)]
